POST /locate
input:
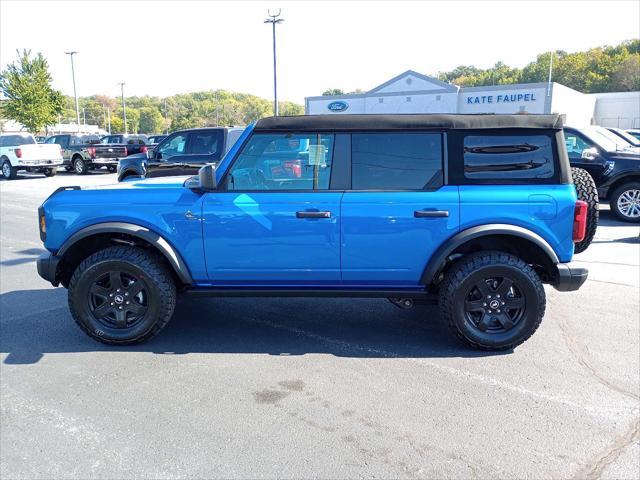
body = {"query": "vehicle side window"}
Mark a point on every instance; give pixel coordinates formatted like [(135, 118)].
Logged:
[(62, 140), (576, 144), (50, 140), (2, 141), (173, 146), (131, 141), (287, 161), (508, 157), (205, 143), (396, 161)]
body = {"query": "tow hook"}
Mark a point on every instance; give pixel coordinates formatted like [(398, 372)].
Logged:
[(403, 303)]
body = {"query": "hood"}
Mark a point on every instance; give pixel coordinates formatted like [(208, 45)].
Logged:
[(625, 154), (139, 183)]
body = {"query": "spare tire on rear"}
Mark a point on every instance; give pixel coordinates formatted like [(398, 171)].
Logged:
[(587, 192)]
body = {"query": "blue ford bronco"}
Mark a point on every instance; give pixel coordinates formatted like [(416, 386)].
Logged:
[(475, 212)]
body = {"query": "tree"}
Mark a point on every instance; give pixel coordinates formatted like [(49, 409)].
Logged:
[(626, 77), (332, 91), (151, 120), (29, 97)]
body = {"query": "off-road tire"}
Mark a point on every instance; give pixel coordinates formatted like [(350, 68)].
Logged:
[(613, 201), (50, 172), (112, 168), (8, 172), (79, 166), (473, 268), (587, 192), (148, 268)]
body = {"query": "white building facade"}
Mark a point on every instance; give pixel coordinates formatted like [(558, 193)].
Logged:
[(412, 92)]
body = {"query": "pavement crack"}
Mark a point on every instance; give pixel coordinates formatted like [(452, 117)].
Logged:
[(578, 354), (596, 468)]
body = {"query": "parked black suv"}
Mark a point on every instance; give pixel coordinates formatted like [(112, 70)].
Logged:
[(614, 166), (181, 153)]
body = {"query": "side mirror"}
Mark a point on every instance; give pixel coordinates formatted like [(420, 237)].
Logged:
[(590, 154), (207, 177)]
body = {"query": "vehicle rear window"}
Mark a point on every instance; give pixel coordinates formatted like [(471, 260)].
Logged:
[(508, 157), (11, 140), (396, 161)]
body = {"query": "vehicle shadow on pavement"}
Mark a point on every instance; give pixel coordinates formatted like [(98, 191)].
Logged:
[(37, 322), (30, 255)]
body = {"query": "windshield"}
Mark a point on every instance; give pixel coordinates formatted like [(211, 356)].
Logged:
[(605, 139), (626, 136)]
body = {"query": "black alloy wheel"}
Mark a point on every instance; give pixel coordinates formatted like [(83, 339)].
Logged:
[(117, 299)]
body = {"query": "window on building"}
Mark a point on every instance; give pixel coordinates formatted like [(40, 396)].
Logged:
[(508, 157), (396, 161), (408, 99), (380, 100), (438, 98), (290, 161)]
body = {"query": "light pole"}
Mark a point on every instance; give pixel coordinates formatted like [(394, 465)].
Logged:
[(124, 108), (109, 118), (75, 94), (84, 118), (273, 20)]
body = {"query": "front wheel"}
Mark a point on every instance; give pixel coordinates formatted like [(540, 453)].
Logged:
[(121, 295), (8, 172), (112, 168), (492, 300), (50, 172), (625, 202)]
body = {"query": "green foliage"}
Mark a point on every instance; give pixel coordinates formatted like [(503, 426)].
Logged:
[(602, 69), (332, 91), (29, 96), (191, 110)]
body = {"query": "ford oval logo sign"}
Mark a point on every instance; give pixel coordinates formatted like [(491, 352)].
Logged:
[(338, 106)]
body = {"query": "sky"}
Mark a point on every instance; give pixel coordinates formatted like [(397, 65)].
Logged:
[(166, 47)]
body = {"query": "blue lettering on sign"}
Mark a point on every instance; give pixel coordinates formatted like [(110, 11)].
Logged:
[(338, 106), (517, 97)]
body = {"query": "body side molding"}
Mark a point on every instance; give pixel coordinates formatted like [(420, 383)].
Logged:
[(438, 259), (173, 257)]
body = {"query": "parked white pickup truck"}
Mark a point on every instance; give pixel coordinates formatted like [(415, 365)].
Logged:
[(19, 151)]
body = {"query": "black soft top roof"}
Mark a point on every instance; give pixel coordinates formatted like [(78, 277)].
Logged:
[(408, 122)]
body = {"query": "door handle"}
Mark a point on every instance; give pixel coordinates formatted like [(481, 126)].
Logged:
[(431, 213), (308, 214)]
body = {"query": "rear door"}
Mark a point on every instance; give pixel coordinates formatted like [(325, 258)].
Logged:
[(398, 211)]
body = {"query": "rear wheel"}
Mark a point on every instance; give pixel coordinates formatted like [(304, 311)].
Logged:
[(79, 166), (121, 295), (625, 202), (587, 192), (8, 172), (492, 300), (50, 172)]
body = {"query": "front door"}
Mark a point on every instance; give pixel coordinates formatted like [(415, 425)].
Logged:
[(275, 221), (398, 211)]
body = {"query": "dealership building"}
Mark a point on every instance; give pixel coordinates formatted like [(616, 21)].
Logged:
[(412, 92)]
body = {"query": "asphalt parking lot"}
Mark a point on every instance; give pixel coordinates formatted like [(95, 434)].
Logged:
[(266, 388)]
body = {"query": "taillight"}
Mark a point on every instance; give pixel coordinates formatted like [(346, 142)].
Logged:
[(126, 152), (143, 149), (580, 221), (294, 167), (18, 152), (92, 151)]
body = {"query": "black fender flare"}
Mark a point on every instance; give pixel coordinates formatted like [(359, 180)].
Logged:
[(159, 242), (437, 260)]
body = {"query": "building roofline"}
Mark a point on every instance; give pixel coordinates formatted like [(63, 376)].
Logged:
[(445, 86)]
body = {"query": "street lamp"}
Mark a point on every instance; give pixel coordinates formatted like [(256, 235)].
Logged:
[(124, 108), (75, 95), (273, 20)]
